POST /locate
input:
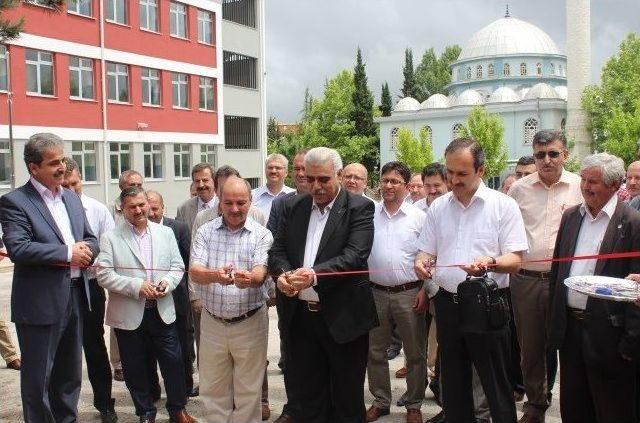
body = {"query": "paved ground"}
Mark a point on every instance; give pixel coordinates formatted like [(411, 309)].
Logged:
[(11, 410)]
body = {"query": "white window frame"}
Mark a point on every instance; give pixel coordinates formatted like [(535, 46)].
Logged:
[(479, 71), (148, 6), (81, 155), (209, 154), (77, 10), (5, 158), (506, 69), (114, 18), (4, 63), (523, 69), (529, 129), (205, 26), (152, 78), (39, 63), (83, 71), (204, 85), (179, 81), (491, 70), (180, 153), (177, 15), (113, 76), (153, 152), (122, 149)]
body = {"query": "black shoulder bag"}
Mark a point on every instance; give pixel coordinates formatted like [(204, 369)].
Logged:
[(481, 305)]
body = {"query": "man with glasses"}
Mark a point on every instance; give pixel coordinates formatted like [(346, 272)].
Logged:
[(542, 197), (354, 178)]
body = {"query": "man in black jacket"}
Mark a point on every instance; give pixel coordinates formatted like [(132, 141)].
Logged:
[(326, 318)]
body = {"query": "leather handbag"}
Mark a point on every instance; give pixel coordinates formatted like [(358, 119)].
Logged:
[(481, 305)]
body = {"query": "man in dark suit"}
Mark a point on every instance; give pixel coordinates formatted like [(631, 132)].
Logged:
[(45, 227), (184, 323), (599, 340), (326, 318)]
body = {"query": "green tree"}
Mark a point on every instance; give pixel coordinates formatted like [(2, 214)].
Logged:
[(385, 100), (10, 30), (416, 153), (433, 73), (272, 129), (613, 106), (409, 86), (362, 99), (488, 130)]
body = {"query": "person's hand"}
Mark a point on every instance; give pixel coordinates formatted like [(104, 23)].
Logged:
[(81, 254), (636, 278), (223, 275), (196, 306), (479, 266), (161, 289), (285, 286), (421, 302), (148, 290), (302, 278), (242, 279), (424, 268)]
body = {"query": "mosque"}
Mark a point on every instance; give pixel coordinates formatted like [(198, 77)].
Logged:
[(512, 68)]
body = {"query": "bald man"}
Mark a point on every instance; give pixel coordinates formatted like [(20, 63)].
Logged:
[(633, 179), (354, 178)]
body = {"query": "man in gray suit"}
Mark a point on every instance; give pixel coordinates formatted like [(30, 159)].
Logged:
[(202, 177), (48, 238)]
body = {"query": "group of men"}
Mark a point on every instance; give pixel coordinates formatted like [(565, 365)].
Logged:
[(347, 274)]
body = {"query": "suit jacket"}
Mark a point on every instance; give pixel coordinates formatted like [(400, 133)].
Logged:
[(277, 209), (347, 301), (612, 327), (187, 212), (119, 249), (183, 237), (40, 291)]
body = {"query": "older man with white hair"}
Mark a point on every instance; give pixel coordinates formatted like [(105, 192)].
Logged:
[(276, 167), (599, 340)]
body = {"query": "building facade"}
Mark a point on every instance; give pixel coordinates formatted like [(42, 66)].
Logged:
[(128, 84), (513, 69)]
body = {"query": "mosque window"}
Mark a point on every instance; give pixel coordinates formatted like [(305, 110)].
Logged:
[(490, 70), (523, 69), (394, 138), (457, 130), (429, 132), (479, 71), (539, 68), (506, 69), (561, 70), (553, 69), (468, 72), (530, 128), (563, 124)]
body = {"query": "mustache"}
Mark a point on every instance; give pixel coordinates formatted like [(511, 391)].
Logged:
[(58, 173)]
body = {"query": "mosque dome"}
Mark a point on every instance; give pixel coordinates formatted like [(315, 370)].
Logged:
[(436, 101), (562, 91), (407, 104), (508, 36), (504, 95), (542, 91), (469, 98)]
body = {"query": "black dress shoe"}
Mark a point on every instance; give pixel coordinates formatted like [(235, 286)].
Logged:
[(393, 352), (108, 416), (402, 401), (194, 392), (438, 418)]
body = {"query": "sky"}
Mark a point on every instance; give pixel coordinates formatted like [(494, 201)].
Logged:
[(308, 41)]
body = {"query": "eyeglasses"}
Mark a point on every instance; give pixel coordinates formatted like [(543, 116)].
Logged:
[(320, 179), (393, 182), (540, 155)]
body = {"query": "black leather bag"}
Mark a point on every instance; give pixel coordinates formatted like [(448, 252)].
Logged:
[(481, 305)]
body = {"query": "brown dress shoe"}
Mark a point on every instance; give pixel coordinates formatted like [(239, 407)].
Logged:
[(284, 418), (530, 418), (266, 412), (401, 373), (414, 416), (15, 364), (181, 417), (374, 413)]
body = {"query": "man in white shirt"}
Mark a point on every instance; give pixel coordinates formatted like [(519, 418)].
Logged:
[(95, 350), (478, 229), (416, 188), (276, 168), (398, 294)]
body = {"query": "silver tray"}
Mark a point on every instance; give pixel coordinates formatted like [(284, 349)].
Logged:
[(597, 286)]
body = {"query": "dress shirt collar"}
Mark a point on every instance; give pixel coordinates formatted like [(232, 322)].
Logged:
[(403, 209), (135, 231), (534, 178), (207, 205), (44, 191), (328, 207), (481, 194), (608, 208), (249, 224)]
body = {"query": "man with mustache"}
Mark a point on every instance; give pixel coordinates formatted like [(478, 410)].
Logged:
[(542, 198), (416, 188), (276, 168), (49, 240)]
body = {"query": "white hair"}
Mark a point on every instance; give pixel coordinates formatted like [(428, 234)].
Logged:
[(277, 157), (322, 155), (612, 167)]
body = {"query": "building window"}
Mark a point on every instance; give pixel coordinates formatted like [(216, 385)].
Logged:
[(209, 154), (205, 27), (395, 137), (118, 81), (149, 15), (491, 70), (81, 7), (240, 133), (553, 69), (479, 71), (523, 69), (529, 130), (5, 163), (84, 153), (506, 70), (457, 130), (180, 87), (119, 159), (468, 72), (206, 94), (117, 11), (240, 70), (39, 72), (152, 154), (3, 68), (242, 12), (539, 68), (178, 12), (182, 160), (254, 182), (150, 87), (81, 77), (561, 70), (563, 124), (429, 132)]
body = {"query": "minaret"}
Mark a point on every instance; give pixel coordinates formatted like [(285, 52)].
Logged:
[(578, 73)]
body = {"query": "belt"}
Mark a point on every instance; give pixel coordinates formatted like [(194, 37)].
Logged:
[(313, 306), (534, 274), (576, 313), (77, 282), (235, 319), (397, 288)]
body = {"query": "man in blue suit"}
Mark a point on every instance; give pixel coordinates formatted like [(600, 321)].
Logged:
[(48, 238)]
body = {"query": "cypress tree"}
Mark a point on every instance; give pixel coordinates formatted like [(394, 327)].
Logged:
[(385, 100), (362, 99)]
